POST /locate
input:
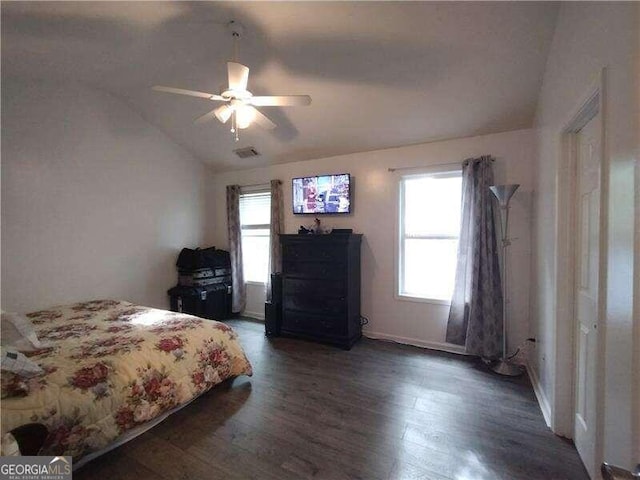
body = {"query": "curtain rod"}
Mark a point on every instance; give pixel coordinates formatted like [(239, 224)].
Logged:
[(265, 184), (429, 166)]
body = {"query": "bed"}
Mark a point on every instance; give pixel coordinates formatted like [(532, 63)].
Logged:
[(112, 369)]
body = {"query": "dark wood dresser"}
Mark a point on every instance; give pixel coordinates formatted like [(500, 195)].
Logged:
[(321, 287)]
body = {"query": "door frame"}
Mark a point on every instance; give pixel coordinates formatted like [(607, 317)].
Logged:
[(563, 417)]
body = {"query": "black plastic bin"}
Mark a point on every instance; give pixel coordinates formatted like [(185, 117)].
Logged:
[(194, 259), (212, 301)]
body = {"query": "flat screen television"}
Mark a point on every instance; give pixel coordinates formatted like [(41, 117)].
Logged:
[(322, 194)]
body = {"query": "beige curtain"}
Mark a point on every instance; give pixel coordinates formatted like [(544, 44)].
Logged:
[(239, 298), (276, 228)]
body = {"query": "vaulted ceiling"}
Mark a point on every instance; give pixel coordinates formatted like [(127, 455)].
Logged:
[(381, 74)]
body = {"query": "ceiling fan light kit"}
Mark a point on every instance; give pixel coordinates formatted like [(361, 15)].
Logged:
[(240, 103)]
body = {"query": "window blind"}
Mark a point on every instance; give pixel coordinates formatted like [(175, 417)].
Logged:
[(255, 209)]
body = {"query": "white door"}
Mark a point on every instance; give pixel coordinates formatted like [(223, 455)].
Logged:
[(586, 290)]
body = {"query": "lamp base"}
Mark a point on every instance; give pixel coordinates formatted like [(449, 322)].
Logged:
[(504, 367)]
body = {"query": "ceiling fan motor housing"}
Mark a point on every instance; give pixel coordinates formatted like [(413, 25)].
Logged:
[(235, 28)]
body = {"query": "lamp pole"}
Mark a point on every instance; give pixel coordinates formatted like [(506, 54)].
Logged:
[(504, 193)]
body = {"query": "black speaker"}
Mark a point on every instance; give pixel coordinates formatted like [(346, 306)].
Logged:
[(276, 288), (273, 309), (272, 316)]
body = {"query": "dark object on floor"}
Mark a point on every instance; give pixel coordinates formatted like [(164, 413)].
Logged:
[(204, 283), (321, 288), (200, 268), (610, 472), (212, 301), (272, 319), (273, 308), (30, 437)]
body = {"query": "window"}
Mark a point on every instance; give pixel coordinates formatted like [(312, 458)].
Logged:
[(430, 207), (255, 218)]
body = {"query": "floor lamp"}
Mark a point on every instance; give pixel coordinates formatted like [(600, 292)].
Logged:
[(504, 193)]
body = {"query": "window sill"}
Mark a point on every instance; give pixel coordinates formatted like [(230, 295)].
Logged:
[(433, 301), (253, 282)]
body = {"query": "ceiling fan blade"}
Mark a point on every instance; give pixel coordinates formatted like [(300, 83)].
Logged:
[(206, 117), (223, 113), (238, 76), (281, 100), (262, 120), (191, 93)]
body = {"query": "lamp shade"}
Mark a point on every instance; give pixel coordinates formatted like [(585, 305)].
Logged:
[(223, 113), (504, 192), (245, 114)]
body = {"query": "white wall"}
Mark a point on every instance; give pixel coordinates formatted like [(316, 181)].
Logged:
[(256, 296), (96, 203), (375, 204), (590, 36)]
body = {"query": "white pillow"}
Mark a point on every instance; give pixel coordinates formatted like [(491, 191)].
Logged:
[(9, 446), (16, 362), (17, 331)]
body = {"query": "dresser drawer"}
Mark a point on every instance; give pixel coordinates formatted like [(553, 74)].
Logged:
[(326, 297), (307, 252), (319, 270), (319, 288), (308, 323), (317, 304)]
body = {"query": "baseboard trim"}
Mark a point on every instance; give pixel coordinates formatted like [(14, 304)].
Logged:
[(540, 395), (443, 347), (255, 315)]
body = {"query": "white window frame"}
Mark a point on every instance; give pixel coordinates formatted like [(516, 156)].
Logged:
[(441, 172), (252, 191)]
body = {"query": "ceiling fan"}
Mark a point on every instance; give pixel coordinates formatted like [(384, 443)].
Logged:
[(239, 103)]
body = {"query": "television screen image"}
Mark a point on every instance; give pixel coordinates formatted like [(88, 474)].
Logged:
[(322, 194)]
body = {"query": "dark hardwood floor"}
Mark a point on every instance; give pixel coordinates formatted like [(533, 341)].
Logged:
[(379, 411)]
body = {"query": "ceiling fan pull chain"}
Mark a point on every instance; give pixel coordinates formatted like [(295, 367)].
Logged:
[(234, 126)]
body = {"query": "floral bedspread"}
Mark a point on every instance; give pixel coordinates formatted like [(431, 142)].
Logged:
[(110, 366)]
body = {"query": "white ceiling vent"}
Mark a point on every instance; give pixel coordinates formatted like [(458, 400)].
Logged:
[(246, 152)]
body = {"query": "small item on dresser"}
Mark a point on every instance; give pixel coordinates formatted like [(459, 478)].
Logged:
[(317, 228), (303, 231)]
